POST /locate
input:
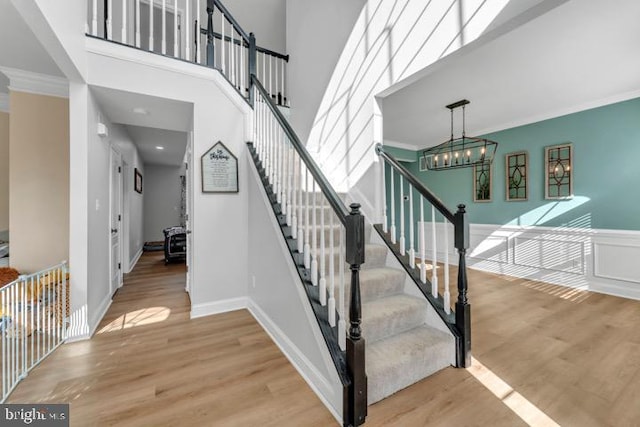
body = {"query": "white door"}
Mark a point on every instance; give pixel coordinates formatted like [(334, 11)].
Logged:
[(189, 219), (115, 207)]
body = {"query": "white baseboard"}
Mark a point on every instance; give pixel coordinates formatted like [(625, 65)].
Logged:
[(318, 383), (217, 307), (101, 311), (134, 261)]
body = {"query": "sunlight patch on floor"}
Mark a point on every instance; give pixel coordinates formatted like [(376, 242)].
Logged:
[(145, 316), (527, 411)]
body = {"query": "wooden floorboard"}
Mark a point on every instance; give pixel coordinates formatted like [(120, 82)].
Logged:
[(544, 355)]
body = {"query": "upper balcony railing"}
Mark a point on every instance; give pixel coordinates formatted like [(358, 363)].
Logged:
[(198, 31)]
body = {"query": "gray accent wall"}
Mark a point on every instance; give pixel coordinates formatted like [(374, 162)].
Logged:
[(161, 196)]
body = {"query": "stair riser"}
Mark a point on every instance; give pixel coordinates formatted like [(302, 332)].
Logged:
[(400, 321), (373, 259)]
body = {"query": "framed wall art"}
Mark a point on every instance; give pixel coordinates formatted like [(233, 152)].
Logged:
[(517, 179), (219, 170), (558, 177), (137, 181), (482, 182)]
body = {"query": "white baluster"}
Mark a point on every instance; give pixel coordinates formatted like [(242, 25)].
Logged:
[(109, 12), (385, 226), (412, 251), (222, 46), (94, 21), (175, 28), (151, 2), (294, 198), (290, 208), (187, 26), (434, 260), (138, 37), (307, 230), (342, 324), (392, 229), (282, 81), (198, 38), (276, 81), (423, 244), (270, 76), (402, 240), (301, 239), (124, 22), (447, 295), (314, 237), (331, 309), (242, 69), (323, 280), (164, 27)]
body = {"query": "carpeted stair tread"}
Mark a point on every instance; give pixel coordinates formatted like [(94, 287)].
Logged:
[(377, 282), (397, 362), (374, 255), (385, 317)]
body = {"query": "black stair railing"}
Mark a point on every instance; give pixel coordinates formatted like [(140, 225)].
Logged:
[(219, 42), (302, 194), (400, 186)]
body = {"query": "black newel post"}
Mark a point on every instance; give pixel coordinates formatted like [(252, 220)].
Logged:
[(106, 18), (252, 66), (463, 309), (210, 57), (355, 405)]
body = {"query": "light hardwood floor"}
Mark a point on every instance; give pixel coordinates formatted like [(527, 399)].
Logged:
[(543, 353)]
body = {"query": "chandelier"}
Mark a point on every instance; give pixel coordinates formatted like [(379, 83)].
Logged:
[(462, 152)]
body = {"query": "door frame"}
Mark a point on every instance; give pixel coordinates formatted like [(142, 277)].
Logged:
[(189, 205), (115, 156)]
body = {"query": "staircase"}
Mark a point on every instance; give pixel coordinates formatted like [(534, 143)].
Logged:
[(385, 325), (401, 347)]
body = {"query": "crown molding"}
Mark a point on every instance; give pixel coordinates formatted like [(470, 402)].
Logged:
[(4, 102), (40, 84)]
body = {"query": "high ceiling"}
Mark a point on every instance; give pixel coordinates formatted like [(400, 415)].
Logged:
[(19, 47), (576, 56), (163, 122)]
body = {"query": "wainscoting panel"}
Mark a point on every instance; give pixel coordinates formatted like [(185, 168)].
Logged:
[(603, 261), (549, 254), (617, 261)]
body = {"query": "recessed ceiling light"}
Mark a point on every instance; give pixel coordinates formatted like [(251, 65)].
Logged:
[(159, 147), (140, 110)]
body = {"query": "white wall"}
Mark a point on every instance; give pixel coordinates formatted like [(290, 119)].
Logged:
[(316, 35), (4, 172), (219, 221), (280, 303), (98, 286), (162, 194), (389, 42), (264, 18)]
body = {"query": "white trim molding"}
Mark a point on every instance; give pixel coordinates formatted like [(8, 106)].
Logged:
[(4, 102), (217, 307), (134, 261), (36, 83)]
